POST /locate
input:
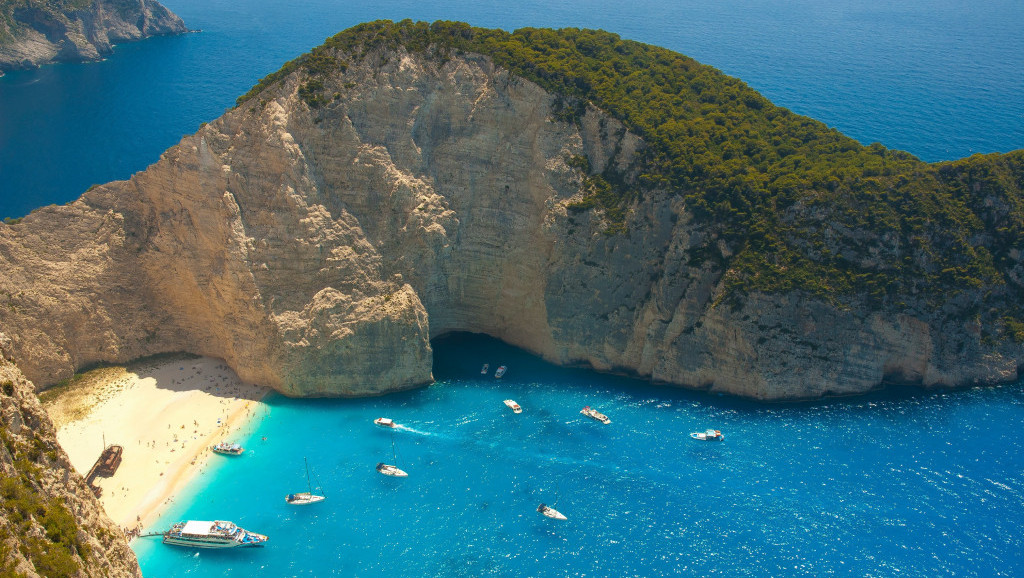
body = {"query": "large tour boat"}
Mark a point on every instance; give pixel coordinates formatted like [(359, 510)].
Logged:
[(513, 406), (384, 422), (228, 449), (215, 534), (501, 372)]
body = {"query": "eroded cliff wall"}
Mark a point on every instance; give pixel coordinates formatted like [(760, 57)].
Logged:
[(51, 524), (320, 234), (36, 33)]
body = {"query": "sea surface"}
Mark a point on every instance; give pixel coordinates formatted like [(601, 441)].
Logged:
[(942, 79), (897, 483)]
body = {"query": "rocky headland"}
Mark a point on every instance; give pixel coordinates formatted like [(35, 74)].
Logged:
[(37, 33), (50, 522), (404, 181)]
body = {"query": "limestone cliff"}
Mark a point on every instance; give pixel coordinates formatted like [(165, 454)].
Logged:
[(319, 235), (51, 524), (36, 33)]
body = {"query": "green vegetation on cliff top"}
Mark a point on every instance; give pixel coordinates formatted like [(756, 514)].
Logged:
[(799, 205)]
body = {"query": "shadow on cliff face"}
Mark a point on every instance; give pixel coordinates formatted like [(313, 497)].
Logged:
[(460, 356)]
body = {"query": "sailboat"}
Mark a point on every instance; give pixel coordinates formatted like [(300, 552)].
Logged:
[(305, 498), (550, 511), (388, 469)]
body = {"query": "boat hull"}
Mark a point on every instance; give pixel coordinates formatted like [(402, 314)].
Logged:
[(393, 471), (214, 545), (303, 499)]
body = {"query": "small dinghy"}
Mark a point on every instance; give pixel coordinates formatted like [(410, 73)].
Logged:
[(500, 372), (485, 368), (513, 406), (551, 512), (594, 414), (384, 422), (711, 435)]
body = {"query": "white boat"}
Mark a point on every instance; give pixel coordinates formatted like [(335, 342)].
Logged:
[(485, 368), (594, 414), (711, 435), (384, 422), (500, 372), (390, 470), (215, 534), (228, 449), (513, 406), (551, 512), (305, 498)]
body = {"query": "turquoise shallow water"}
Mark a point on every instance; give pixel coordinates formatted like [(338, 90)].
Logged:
[(939, 78), (896, 483)]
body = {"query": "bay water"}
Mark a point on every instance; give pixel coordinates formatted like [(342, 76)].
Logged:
[(896, 483)]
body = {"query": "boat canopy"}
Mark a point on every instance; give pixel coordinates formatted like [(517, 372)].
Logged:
[(197, 528)]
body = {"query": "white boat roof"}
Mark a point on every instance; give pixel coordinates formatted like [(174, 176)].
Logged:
[(197, 527)]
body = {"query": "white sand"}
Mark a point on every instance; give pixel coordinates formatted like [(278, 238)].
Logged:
[(166, 415)]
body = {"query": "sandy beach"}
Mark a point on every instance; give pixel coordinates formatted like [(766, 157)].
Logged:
[(166, 414)]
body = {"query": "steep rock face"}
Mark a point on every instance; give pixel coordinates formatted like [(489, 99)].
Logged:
[(319, 235), (41, 33), (51, 524)]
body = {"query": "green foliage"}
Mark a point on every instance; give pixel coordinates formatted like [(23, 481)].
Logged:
[(22, 505), (800, 206)]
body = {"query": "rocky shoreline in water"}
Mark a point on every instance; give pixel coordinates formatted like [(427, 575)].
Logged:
[(39, 33)]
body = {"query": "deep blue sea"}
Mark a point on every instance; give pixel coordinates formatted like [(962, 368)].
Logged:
[(940, 78), (898, 483)]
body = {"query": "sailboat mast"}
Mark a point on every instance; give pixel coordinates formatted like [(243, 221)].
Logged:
[(309, 485)]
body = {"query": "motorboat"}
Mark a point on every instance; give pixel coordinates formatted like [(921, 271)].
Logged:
[(389, 470), (594, 414), (215, 534), (500, 372), (711, 435), (384, 422), (551, 512), (486, 366), (307, 497), (228, 449), (513, 406)]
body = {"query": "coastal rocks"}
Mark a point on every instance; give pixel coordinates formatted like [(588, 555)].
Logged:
[(40, 33), (51, 524), (320, 234)]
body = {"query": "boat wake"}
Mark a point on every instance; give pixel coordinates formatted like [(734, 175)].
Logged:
[(412, 430)]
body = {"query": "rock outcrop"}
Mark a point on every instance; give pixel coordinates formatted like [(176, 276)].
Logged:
[(319, 235), (37, 33), (51, 524)]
